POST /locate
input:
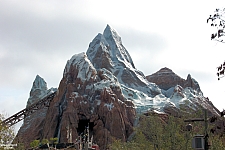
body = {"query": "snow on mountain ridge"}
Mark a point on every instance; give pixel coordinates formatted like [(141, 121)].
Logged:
[(107, 55), (39, 90), (108, 52), (118, 51), (85, 66)]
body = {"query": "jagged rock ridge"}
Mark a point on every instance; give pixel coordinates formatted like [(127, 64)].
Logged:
[(107, 51), (165, 78), (89, 96), (181, 92), (32, 126)]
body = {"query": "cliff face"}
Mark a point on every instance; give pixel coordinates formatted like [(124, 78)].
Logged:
[(89, 97), (107, 51), (32, 127), (165, 78), (179, 91)]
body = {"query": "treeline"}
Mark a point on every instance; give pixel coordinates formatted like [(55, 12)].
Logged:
[(167, 132)]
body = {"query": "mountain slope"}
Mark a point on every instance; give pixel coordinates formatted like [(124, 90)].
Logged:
[(87, 96), (107, 51), (181, 92), (32, 125)]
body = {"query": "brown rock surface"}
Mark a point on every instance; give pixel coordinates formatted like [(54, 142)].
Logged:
[(165, 78), (97, 100), (107, 51)]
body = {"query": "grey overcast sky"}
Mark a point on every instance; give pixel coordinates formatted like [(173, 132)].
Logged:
[(39, 36)]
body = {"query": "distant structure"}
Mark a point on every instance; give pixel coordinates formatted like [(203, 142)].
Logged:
[(83, 142)]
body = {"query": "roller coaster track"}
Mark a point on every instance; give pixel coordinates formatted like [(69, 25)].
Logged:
[(45, 102)]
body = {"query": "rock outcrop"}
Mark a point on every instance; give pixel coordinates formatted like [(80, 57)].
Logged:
[(165, 78), (107, 51), (87, 96), (181, 92), (32, 127)]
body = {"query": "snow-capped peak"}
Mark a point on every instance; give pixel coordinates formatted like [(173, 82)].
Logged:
[(39, 83), (39, 90), (83, 64), (107, 51), (93, 50), (111, 33)]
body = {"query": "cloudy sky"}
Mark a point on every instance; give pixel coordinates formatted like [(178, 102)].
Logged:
[(39, 36)]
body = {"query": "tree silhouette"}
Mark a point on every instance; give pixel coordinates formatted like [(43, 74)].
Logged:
[(217, 20), (220, 71)]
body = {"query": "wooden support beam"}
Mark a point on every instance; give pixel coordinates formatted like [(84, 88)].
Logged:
[(45, 102)]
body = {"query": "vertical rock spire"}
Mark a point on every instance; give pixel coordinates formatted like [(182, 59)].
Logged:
[(110, 34), (38, 90)]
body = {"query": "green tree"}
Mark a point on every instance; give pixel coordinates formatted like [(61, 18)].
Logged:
[(140, 142), (216, 143), (34, 143), (173, 137), (156, 132), (53, 141), (6, 133), (44, 141), (20, 146), (152, 127)]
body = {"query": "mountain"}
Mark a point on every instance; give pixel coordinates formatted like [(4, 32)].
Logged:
[(87, 96), (165, 78), (180, 92), (33, 125), (107, 51), (104, 90)]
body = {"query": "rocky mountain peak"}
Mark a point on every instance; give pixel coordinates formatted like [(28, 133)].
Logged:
[(108, 47), (38, 90), (33, 124), (99, 53), (191, 82), (111, 35), (107, 51), (165, 70), (165, 78), (87, 95), (39, 83), (79, 68), (102, 89)]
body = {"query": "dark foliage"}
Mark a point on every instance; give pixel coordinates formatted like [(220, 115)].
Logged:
[(217, 21)]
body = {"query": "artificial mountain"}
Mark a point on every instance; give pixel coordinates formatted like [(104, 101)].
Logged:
[(102, 88)]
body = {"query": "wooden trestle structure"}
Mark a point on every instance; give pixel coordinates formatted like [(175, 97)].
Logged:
[(45, 102)]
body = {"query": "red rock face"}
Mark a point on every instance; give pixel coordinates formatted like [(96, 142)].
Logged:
[(165, 78), (32, 128), (97, 100)]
